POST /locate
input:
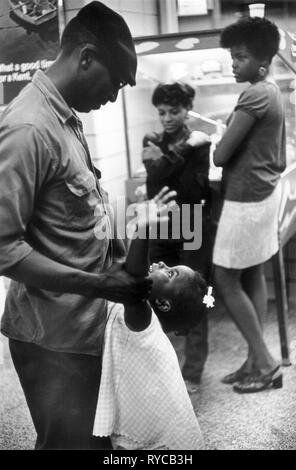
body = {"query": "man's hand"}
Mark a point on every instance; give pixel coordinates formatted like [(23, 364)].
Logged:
[(119, 286), (198, 138)]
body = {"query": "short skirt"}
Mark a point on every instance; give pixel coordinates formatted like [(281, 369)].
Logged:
[(247, 232)]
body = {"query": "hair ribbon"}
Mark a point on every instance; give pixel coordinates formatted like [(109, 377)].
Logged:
[(208, 298)]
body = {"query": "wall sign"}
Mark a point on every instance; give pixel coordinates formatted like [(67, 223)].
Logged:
[(29, 40), (192, 7)]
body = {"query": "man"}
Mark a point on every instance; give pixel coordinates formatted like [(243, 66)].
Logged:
[(49, 245)]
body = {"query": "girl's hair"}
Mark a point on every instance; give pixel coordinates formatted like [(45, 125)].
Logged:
[(259, 35), (187, 307), (174, 94)]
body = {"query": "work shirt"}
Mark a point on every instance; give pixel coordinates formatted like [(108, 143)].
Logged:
[(50, 201), (253, 171)]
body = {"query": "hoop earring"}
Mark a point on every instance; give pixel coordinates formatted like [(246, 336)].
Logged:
[(262, 71)]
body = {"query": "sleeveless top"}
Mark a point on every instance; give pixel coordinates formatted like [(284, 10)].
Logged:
[(143, 401)]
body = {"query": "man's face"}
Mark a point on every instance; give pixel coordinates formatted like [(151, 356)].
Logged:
[(94, 85)]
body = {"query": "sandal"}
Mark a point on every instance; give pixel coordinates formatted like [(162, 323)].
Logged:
[(257, 382), (237, 376)]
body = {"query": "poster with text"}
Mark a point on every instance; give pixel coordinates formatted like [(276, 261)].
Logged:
[(29, 40)]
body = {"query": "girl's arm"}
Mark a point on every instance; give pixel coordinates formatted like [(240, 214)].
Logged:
[(239, 126), (138, 315), (160, 166)]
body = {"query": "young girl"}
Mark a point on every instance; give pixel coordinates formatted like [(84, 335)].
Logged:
[(143, 402), (252, 154)]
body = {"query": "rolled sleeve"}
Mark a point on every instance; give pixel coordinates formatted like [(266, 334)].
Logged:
[(254, 101), (24, 162)]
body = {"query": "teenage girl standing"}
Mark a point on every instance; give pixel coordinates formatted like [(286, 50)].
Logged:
[(252, 154)]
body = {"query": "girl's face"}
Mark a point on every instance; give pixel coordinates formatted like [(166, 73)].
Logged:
[(172, 118), (168, 281), (245, 66)]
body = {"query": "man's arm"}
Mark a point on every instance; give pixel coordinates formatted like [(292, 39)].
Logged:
[(25, 164), (114, 284)]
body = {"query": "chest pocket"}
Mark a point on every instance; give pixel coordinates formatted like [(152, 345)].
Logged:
[(81, 199)]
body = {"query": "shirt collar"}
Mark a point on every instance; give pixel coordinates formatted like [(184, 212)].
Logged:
[(75, 119), (53, 96)]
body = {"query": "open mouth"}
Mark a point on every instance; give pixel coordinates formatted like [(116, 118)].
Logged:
[(153, 267)]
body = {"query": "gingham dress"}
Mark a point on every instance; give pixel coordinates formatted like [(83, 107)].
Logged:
[(143, 402)]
